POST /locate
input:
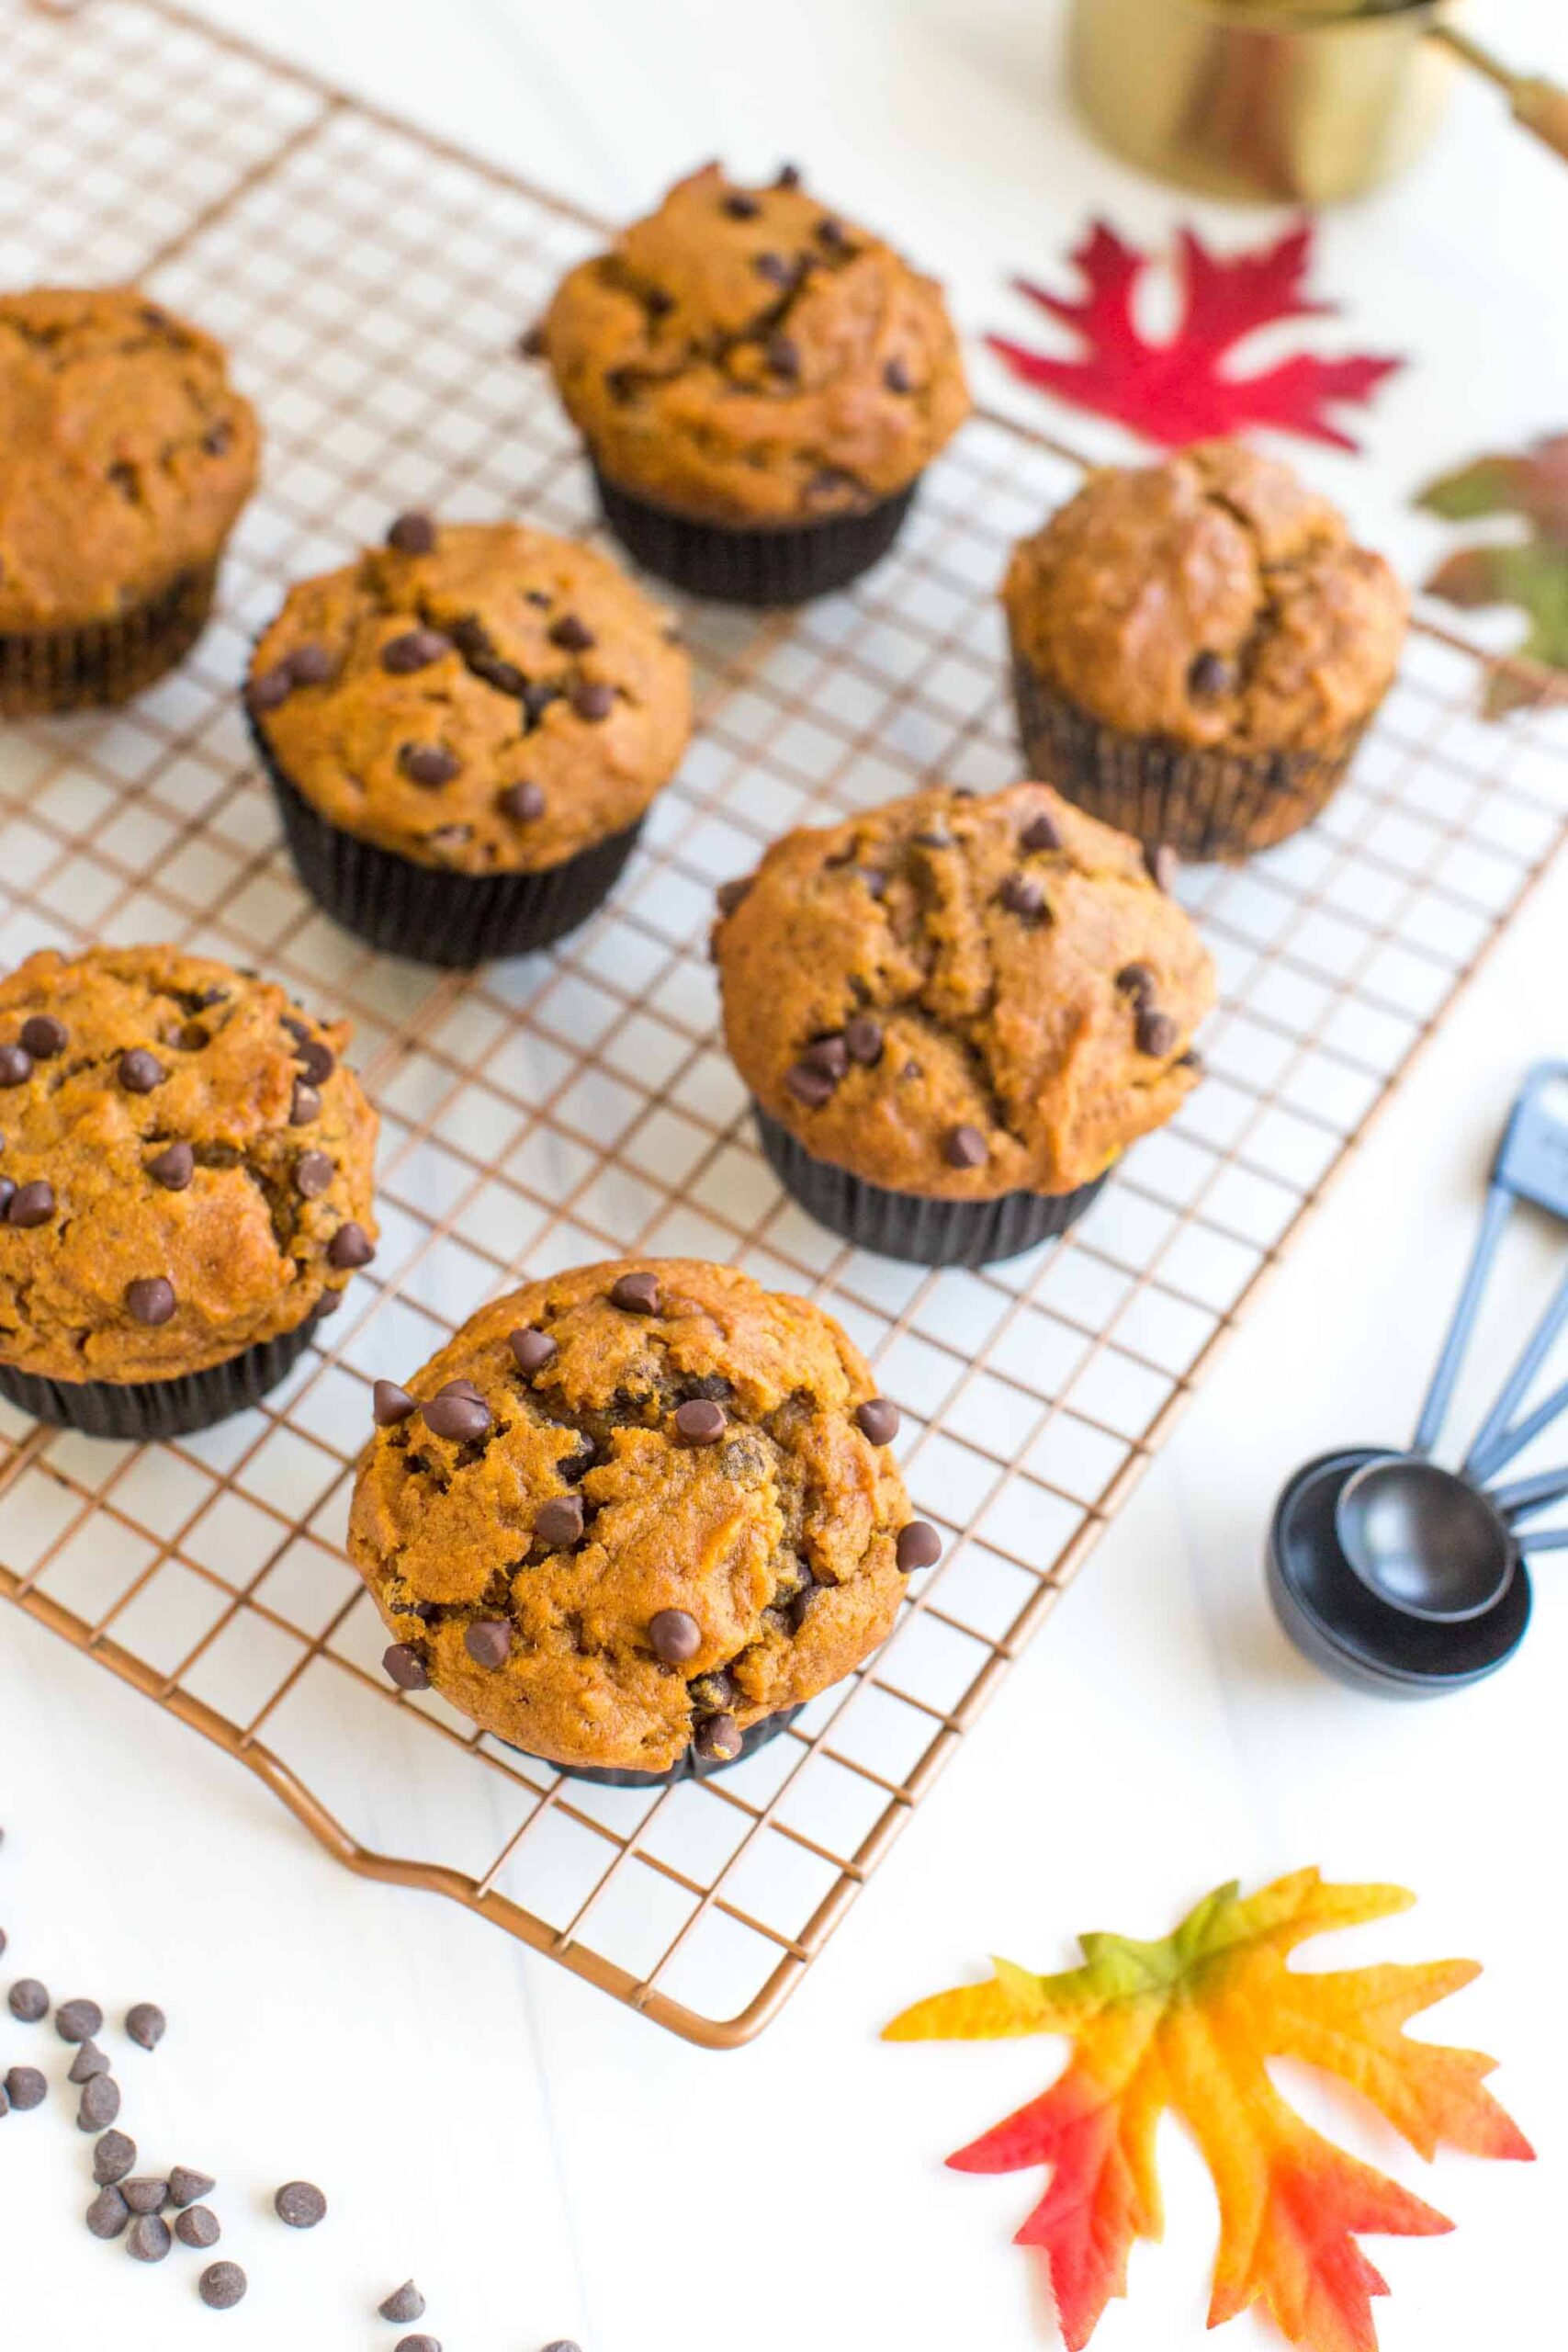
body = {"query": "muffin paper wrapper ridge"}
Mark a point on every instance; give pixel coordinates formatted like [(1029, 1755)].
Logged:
[(52, 670), (692, 1767), (159, 1408), (786, 565)]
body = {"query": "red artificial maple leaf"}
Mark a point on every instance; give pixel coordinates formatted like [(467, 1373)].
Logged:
[(1182, 391)]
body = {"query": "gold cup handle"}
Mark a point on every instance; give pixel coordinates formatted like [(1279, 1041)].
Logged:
[(1538, 105)]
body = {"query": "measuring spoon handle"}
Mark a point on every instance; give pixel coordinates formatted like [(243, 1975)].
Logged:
[(1526, 1495), (1499, 1201), (1517, 1386), (1485, 1463)]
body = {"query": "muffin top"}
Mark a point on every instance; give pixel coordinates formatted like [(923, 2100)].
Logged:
[(1212, 600), (184, 1164), (125, 453), (634, 1508), (474, 696), (746, 357), (962, 998)]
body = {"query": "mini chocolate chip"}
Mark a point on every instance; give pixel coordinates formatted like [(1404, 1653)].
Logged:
[(1163, 865), (454, 1414), (150, 1299), (403, 2303), (593, 699), (306, 1107), (830, 1055), (300, 2204), (78, 2021), (44, 1037), (1209, 674), (489, 1641), (783, 354), (572, 635), (198, 2226), (919, 1546), (878, 1418), (1041, 832), (270, 689), (188, 2187), (310, 664), (350, 1246), (148, 2238), (405, 1668), (146, 2024), (536, 698), (729, 893), (31, 1204), (417, 2343), (896, 377), (218, 439), (533, 1349), (221, 2286), (107, 2214), (966, 1148), (26, 2087), (656, 302), (789, 176), (416, 649), (531, 342), (1137, 981), (174, 1167), (935, 837), (313, 1172), (99, 2103), (637, 1294), (412, 533), (810, 1086), (8, 1193), (504, 676), (145, 2196), (113, 2157), (16, 1065), (863, 1040), (141, 1071), (701, 1423), (558, 1521), (1020, 894), (717, 1692), (329, 1303), (717, 1739), (89, 2061), (774, 268), (876, 882), (523, 802), (739, 206), (676, 1636), (1156, 1033), (389, 1404), (429, 765), (1192, 1059), (315, 1057)]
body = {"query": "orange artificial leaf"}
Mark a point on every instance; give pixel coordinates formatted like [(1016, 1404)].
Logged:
[(1188, 2024)]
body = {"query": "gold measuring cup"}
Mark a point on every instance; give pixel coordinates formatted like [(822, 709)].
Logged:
[(1307, 101)]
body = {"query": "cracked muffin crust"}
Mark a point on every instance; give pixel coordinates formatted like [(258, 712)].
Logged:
[(746, 357), (184, 1165), (476, 697), (962, 998), (632, 1509)]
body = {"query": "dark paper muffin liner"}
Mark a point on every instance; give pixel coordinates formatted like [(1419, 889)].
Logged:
[(785, 564), (907, 1224), (692, 1767), (48, 671), (431, 915), (1202, 804), (157, 1408)]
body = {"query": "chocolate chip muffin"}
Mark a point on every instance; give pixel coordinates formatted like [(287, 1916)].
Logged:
[(760, 383), (125, 457), (1197, 648), (464, 731), (955, 1014), (634, 1516), (184, 1187)]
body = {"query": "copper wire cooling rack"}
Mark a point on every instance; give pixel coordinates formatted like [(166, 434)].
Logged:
[(372, 284)]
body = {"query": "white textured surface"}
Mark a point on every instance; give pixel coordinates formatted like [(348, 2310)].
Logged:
[(544, 2163)]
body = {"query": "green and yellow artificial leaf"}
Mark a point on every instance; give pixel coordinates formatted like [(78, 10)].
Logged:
[(1528, 571)]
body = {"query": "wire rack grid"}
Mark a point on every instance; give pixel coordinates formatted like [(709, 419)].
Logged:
[(372, 284)]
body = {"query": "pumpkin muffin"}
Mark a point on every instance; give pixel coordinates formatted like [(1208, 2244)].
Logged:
[(634, 1515), (955, 1014), (184, 1187), (125, 457), (464, 731), (1197, 648), (760, 383)]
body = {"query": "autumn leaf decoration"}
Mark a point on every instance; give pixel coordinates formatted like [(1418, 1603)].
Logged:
[(1188, 388), (1529, 571), (1188, 2024)]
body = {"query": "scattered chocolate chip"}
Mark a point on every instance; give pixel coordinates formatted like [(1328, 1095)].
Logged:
[(637, 1294), (701, 1423), (188, 2187), (832, 233), (739, 206), (1041, 832), (198, 2226), (306, 1107), (593, 699), (830, 1055), (782, 353), (788, 176), (174, 1167), (416, 649), (1020, 894), (452, 1413), (1191, 1060), (489, 1641), (310, 664), (533, 1349), (329, 1303), (89, 2061), (430, 765), (1137, 981), (813, 1087), (1163, 865), (26, 2087), (878, 1418), (16, 1065), (863, 1040), (141, 1071), (78, 2021), (221, 2286), (1210, 674), (148, 2238), (99, 2103), (44, 1037), (350, 1246), (536, 698), (403, 2303), (107, 2214), (300, 2204), (966, 1148), (314, 1055), (148, 2195), (715, 1693), (31, 1204), (717, 1739), (919, 1546), (313, 1172), (896, 377), (113, 2157), (270, 689), (146, 2024), (417, 2343), (150, 1300), (1156, 1033), (389, 1404), (729, 893), (558, 1521), (523, 802), (676, 1636), (504, 676), (412, 535), (405, 1668), (572, 635), (658, 302), (531, 342), (774, 268)]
